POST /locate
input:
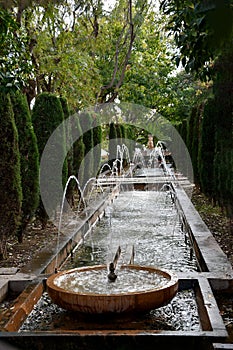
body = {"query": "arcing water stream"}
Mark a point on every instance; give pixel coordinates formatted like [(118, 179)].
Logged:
[(150, 221)]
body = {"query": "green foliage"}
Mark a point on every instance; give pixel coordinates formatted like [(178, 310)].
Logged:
[(147, 75), (90, 58), (29, 160), (201, 29), (120, 30), (47, 115), (10, 184), (15, 62), (65, 66), (151, 78)]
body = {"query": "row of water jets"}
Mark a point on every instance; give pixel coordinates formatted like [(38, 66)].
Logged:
[(93, 188)]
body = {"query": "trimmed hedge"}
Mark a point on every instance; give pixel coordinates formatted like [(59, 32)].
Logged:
[(78, 150), (10, 184), (86, 123), (29, 160), (47, 115), (97, 140), (207, 149), (70, 153), (112, 142)]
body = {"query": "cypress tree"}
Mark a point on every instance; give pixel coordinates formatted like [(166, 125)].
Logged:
[(112, 142), (184, 130), (119, 134), (223, 92), (190, 130), (207, 149), (69, 158), (178, 148), (10, 184), (131, 136), (47, 115), (29, 160), (123, 141), (194, 138), (78, 150), (86, 124), (123, 131), (97, 140)]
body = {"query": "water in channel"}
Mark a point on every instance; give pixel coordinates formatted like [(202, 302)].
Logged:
[(147, 220)]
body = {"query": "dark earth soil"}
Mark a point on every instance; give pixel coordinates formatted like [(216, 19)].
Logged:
[(217, 222)]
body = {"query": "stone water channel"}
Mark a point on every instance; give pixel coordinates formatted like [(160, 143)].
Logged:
[(166, 232), (150, 222)]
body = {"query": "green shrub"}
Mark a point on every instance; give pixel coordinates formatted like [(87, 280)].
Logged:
[(10, 184), (223, 94), (119, 134), (70, 155), (29, 160), (47, 115), (207, 149), (78, 150), (112, 142)]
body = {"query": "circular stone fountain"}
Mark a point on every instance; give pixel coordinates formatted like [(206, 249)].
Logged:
[(136, 289)]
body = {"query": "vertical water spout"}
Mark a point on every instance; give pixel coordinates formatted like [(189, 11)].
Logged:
[(72, 177)]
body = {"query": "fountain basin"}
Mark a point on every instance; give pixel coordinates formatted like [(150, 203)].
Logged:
[(153, 297)]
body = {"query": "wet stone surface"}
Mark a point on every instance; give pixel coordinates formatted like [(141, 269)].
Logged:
[(180, 314)]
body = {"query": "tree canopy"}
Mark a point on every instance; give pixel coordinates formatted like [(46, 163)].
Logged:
[(201, 30), (89, 54)]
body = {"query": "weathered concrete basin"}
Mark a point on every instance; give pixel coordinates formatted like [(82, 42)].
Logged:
[(125, 302)]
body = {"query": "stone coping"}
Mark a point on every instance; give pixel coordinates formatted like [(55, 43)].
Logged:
[(211, 256)]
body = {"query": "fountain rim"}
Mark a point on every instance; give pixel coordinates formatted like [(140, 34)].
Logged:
[(170, 275)]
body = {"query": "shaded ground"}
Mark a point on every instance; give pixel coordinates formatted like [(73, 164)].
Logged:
[(216, 221), (34, 239)]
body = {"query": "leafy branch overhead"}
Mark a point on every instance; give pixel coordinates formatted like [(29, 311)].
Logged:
[(133, 17), (89, 54), (201, 30)]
